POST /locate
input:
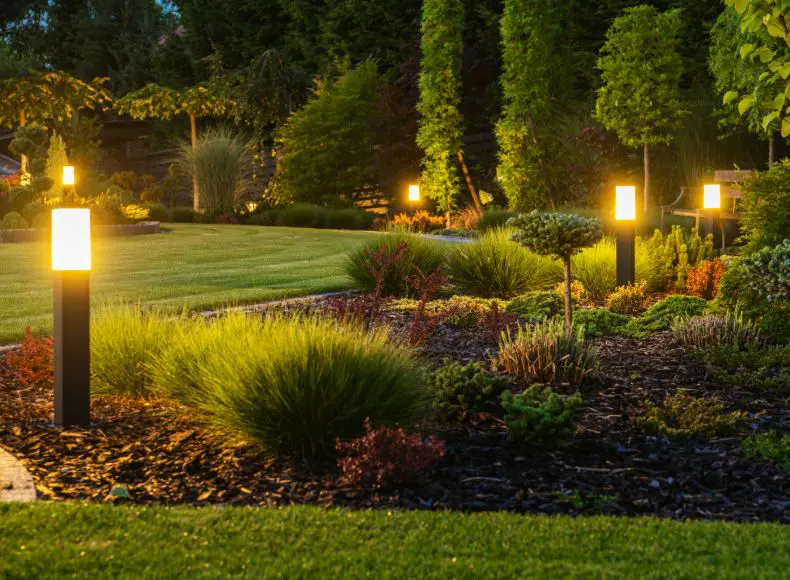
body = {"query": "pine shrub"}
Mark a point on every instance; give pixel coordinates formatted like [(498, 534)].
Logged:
[(539, 416), (681, 415), (458, 389)]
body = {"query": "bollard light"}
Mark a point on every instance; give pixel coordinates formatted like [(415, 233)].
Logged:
[(68, 175), (71, 264), (712, 196), (414, 192), (625, 216), (711, 203)]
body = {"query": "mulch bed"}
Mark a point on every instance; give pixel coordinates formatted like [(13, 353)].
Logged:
[(156, 451)]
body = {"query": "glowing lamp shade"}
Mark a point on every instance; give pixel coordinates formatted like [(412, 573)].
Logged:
[(625, 203), (68, 175), (712, 198), (71, 239), (414, 193)]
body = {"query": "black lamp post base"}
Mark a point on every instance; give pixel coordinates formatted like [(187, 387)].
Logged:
[(626, 253), (72, 348)]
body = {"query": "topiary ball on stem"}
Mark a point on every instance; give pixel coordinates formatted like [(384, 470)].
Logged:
[(560, 235)]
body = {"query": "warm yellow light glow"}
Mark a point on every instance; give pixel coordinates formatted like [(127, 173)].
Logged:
[(71, 239), (251, 205), (68, 175), (625, 203), (712, 198), (414, 193)]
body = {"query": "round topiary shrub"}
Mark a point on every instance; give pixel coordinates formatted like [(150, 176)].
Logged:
[(295, 385), (493, 266), (13, 221), (393, 258)]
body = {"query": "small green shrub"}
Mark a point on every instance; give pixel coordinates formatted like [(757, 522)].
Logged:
[(13, 221), (768, 272), (660, 316), (715, 330), (495, 267), (684, 416), (297, 385), (31, 210), (422, 255), (157, 212), (182, 215), (629, 299), (539, 416), (674, 254), (123, 341), (348, 219), (545, 353), (537, 306), (600, 322), (494, 218), (463, 311), (766, 366), (766, 207), (458, 389), (301, 215), (771, 445), (43, 220)]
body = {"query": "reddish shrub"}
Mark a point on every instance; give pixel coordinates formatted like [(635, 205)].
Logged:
[(34, 364), (423, 324), (496, 321), (703, 279), (228, 218), (386, 457)]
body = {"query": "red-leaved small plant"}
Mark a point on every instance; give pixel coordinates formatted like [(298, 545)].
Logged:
[(386, 457), (423, 324), (34, 363), (495, 321), (704, 278)]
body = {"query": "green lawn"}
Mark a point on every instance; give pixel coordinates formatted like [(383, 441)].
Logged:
[(192, 266), (58, 540)]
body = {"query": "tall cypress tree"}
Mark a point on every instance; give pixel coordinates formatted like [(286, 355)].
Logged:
[(441, 124)]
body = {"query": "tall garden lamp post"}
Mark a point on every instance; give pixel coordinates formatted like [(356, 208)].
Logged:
[(414, 196), (625, 216), (711, 203), (71, 264)]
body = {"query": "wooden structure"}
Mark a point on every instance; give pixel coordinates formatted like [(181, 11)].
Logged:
[(730, 194)]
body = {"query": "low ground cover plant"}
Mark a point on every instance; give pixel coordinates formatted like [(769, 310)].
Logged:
[(387, 457), (544, 353), (661, 314), (630, 299), (417, 255), (537, 306), (767, 366), (458, 388), (493, 266), (773, 446), (539, 416), (600, 322), (684, 416)]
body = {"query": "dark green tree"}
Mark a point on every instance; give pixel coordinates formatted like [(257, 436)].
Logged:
[(534, 84), (641, 70), (441, 124)]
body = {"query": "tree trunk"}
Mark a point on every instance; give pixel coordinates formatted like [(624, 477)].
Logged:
[(568, 304), (195, 189), (771, 154), (469, 183), (646, 198), (549, 188), (22, 158)]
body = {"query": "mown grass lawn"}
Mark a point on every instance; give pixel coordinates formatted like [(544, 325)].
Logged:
[(58, 540), (188, 266)]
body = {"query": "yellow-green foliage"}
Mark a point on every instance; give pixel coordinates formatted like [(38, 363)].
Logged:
[(681, 415), (629, 299)]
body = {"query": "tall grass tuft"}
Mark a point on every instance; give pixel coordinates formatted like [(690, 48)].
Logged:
[(221, 164), (123, 340), (493, 266), (725, 330), (545, 354), (494, 218), (296, 385), (596, 268), (421, 254)]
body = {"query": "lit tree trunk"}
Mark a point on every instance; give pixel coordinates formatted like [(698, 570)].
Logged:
[(195, 189), (771, 154), (646, 198), (549, 188), (568, 304), (22, 158), (469, 183)]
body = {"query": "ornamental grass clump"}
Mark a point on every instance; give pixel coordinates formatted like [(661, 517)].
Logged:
[(124, 339), (559, 235), (716, 330), (493, 266), (296, 385), (401, 254), (545, 353), (539, 416), (458, 389), (684, 416)]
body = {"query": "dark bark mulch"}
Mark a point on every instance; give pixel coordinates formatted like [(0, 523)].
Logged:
[(157, 452)]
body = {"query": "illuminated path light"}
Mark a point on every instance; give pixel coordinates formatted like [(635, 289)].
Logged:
[(625, 216), (71, 264), (711, 203)]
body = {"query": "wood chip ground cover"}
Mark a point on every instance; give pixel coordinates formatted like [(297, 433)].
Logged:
[(155, 451)]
